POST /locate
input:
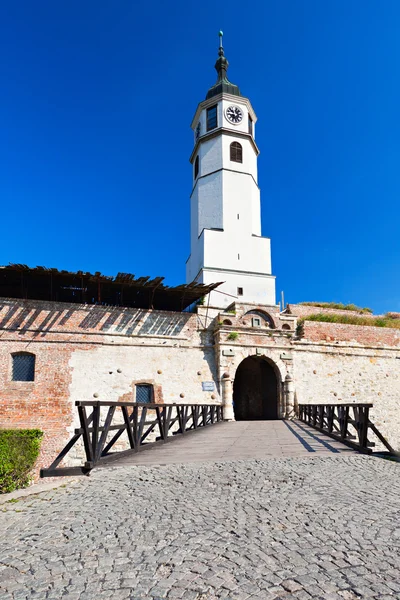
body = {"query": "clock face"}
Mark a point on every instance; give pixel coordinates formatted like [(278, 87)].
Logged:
[(234, 114), (198, 130)]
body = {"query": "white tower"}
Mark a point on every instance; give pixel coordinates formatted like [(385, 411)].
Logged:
[(226, 242)]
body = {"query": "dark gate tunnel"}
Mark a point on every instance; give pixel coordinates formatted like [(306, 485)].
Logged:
[(255, 390)]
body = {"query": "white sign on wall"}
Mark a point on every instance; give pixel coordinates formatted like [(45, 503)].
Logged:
[(207, 386)]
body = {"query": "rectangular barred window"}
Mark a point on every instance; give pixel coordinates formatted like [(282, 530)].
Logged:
[(144, 393), (23, 367)]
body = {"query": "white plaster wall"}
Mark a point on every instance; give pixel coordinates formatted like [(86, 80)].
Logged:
[(226, 197), (210, 156), (96, 372), (241, 196), (222, 105), (352, 375), (243, 126), (195, 261), (222, 249), (256, 289), (210, 203), (249, 164)]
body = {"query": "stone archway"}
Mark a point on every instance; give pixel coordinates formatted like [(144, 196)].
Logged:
[(255, 390)]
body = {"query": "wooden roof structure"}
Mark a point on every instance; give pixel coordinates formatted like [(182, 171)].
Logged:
[(124, 289)]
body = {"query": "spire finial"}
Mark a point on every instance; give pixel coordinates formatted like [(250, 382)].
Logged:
[(221, 48)]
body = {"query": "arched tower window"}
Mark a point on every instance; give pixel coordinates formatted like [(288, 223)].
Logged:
[(236, 152), (23, 366), (196, 167)]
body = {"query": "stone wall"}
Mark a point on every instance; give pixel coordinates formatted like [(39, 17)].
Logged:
[(332, 363), (343, 372), (94, 352), (87, 352), (370, 336), (305, 310)]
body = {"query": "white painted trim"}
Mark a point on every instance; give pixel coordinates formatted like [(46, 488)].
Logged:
[(216, 99)]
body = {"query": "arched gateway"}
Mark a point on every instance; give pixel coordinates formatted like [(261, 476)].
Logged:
[(255, 390)]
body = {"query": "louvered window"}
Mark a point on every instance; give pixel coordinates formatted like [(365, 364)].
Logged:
[(23, 367), (236, 152), (144, 393)]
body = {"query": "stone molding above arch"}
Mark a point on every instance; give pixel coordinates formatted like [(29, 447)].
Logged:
[(259, 312), (272, 356)]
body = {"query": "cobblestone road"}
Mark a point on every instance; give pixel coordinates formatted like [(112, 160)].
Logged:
[(321, 527)]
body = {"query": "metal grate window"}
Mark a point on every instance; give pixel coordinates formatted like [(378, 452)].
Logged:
[(144, 393), (23, 367)]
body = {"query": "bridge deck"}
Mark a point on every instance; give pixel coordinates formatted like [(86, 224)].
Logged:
[(240, 440)]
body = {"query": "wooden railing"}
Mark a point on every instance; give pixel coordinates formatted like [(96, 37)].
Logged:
[(348, 423), (99, 432)]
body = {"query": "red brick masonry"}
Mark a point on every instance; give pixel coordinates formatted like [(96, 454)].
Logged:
[(370, 336)]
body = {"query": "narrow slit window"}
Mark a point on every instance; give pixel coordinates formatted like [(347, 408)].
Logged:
[(250, 125), (236, 152), (238, 217), (240, 291), (144, 393), (196, 167), (238, 256), (212, 120), (23, 367)]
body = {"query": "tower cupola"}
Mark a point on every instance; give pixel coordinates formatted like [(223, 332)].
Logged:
[(222, 84)]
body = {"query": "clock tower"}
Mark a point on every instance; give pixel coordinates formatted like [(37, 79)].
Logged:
[(226, 242)]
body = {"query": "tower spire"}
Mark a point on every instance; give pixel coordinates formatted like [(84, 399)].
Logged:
[(221, 66)]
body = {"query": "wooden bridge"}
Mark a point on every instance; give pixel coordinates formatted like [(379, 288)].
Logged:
[(199, 434)]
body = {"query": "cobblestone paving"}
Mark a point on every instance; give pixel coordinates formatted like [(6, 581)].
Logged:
[(322, 527)]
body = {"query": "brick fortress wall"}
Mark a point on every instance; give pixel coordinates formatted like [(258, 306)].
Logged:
[(83, 351)]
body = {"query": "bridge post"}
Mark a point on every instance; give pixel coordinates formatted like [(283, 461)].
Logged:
[(227, 398), (289, 397)]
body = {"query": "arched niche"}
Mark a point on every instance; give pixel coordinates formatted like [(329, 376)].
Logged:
[(265, 319)]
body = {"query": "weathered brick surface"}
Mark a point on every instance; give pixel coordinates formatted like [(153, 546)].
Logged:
[(45, 403), (86, 352), (369, 336), (303, 310), (336, 372)]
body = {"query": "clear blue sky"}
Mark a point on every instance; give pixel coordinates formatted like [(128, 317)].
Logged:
[(97, 98)]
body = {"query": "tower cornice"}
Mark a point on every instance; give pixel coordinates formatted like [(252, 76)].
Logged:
[(216, 99), (223, 131)]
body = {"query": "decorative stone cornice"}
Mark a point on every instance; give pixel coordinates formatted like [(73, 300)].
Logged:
[(215, 99)]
